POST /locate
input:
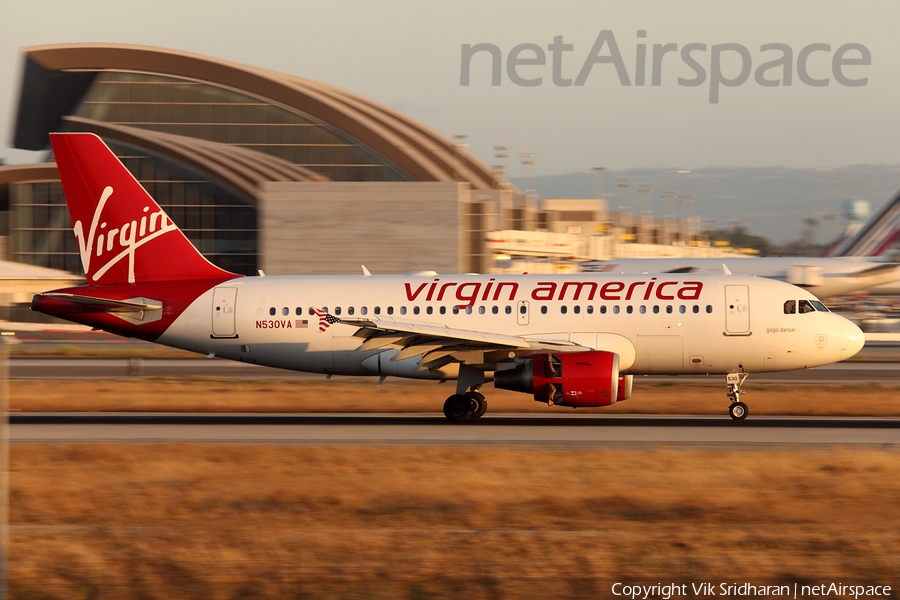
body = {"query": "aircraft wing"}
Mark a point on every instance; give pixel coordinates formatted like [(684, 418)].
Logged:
[(439, 346), (877, 271)]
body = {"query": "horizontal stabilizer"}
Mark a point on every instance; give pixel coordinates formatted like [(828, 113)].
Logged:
[(104, 303)]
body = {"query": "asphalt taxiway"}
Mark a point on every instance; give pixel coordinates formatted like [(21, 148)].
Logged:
[(513, 430)]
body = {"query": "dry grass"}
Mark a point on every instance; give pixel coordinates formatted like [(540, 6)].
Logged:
[(202, 395), (203, 521)]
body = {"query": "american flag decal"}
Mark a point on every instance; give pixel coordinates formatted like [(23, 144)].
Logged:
[(325, 320)]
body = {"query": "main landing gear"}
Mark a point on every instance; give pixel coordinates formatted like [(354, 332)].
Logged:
[(465, 405), (462, 407), (737, 410)]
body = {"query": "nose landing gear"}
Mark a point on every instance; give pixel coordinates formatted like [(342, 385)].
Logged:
[(738, 410)]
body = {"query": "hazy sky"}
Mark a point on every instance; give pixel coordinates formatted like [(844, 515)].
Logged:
[(407, 54)]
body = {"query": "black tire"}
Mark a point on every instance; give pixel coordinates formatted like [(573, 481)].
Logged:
[(738, 411), (479, 404), (458, 408)]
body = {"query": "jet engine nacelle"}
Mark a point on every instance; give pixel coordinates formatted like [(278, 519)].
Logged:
[(575, 379)]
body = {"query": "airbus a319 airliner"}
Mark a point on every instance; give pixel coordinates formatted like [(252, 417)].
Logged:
[(568, 340)]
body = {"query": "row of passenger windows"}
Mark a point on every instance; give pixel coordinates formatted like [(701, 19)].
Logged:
[(481, 310)]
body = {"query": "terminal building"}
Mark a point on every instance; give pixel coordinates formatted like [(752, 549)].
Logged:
[(261, 170), (272, 172)]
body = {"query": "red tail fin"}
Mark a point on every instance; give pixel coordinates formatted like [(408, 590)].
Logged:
[(122, 233)]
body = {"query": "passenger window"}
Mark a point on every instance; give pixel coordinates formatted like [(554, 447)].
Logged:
[(481, 310), (377, 310), (563, 309), (298, 312), (603, 310), (709, 308), (402, 310), (363, 310), (576, 309), (806, 307), (311, 312), (656, 309), (509, 310), (415, 310), (456, 310), (429, 310), (629, 309), (337, 310), (468, 310), (443, 310), (643, 309), (390, 310), (790, 307), (272, 311), (350, 311), (495, 309), (590, 310), (696, 308), (616, 309), (682, 309), (669, 309), (523, 309), (543, 310)]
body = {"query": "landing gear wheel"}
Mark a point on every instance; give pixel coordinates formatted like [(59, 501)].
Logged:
[(479, 404), (458, 408), (738, 411), (734, 381)]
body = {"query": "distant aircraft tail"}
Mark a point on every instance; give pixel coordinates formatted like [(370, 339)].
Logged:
[(877, 237), (122, 233)]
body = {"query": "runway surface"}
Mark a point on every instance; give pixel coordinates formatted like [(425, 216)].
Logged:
[(434, 430), (55, 368)]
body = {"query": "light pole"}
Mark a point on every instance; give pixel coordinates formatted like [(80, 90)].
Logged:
[(528, 162), (500, 155)]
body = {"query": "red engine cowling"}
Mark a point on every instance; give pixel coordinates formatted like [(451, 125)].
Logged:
[(576, 379)]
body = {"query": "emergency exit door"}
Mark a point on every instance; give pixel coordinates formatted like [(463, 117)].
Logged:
[(224, 302), (737, 309)]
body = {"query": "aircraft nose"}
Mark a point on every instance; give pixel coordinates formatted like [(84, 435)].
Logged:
[(852, 339)]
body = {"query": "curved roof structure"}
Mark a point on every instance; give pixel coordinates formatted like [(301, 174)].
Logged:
[(238, 167), (57, 76)]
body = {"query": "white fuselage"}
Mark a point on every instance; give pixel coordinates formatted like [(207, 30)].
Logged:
[(672, 324)]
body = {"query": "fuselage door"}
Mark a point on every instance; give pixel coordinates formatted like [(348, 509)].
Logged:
[(522, 312), (737, 309), (224, 302)]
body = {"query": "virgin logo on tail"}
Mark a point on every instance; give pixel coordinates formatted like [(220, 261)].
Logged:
[(123, 242)]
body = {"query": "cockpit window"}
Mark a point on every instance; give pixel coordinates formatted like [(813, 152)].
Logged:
[(806, 307), (790, 307), (819, 306)]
